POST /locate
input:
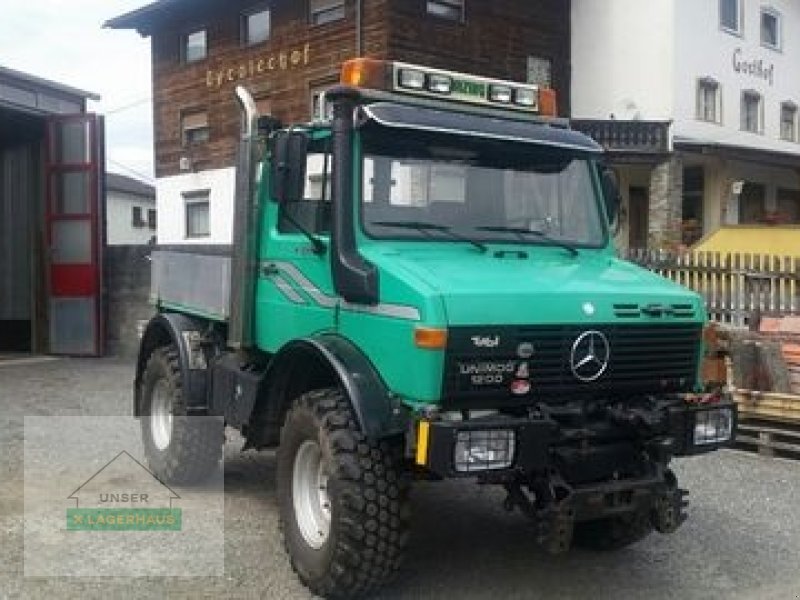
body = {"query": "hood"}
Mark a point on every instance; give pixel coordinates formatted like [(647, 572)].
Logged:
[(546, 286)]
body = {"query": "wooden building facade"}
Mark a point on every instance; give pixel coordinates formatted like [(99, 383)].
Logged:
[(286, 52)]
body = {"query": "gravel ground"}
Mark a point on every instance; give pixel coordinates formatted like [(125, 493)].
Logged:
[(742, 539)]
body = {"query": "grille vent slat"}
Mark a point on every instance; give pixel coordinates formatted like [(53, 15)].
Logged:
[(634, 311)]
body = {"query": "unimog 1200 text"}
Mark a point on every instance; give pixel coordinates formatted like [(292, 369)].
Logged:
[(423, 286)]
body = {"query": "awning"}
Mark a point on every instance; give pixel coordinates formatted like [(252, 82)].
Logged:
[(401, 116)]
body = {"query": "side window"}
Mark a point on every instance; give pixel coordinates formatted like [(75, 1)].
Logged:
[(313, 212)]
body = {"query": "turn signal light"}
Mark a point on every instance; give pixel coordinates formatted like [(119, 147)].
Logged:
[(430, 338), (366, 73), (547, 102)]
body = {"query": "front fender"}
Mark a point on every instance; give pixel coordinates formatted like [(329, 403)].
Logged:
[(185, 334), (329, 359)]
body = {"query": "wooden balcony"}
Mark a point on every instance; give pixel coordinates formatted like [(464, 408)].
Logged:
[(627, 137)]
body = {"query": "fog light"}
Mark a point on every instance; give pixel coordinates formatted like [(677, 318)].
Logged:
[(713, 426), (484, 450)]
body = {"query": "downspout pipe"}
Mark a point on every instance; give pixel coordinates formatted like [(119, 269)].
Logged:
[(359, 28)]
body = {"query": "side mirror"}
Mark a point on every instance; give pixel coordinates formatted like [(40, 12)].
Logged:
[(288, 177), (611, 194)]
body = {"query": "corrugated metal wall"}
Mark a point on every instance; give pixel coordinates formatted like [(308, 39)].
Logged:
[(20, 170)]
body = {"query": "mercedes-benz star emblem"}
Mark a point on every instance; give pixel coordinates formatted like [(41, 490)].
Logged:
[(589, 357)]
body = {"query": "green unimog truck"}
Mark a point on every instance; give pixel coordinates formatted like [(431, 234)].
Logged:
[(421, 287)]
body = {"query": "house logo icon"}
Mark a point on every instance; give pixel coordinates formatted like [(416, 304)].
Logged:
[(124, 495)]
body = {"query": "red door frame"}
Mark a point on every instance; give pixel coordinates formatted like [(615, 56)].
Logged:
[(82, 280)]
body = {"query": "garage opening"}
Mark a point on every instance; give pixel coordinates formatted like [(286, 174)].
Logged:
[(51, 238), (22, 210)]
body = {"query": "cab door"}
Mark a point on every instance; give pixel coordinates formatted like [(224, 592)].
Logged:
[(74, 195), (295, 296)]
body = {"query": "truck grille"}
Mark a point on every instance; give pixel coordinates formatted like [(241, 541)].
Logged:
[(487, 366)]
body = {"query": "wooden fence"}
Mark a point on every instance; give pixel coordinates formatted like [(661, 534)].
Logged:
[(737, 288)]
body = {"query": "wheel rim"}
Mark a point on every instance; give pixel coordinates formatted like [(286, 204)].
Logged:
[(312, 507), (161, 416)]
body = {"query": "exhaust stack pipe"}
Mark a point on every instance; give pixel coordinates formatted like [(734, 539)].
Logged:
[(246, 214)]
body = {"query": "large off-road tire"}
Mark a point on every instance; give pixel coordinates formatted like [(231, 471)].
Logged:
[(614, 533), (343, 499), (178, 448)]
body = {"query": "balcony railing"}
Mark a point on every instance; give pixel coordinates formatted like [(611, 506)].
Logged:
[(639, 137)]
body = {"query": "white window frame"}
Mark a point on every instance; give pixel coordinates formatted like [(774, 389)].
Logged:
[(192, 199), (137, 220), (185, 58), (792, 108), (322, 12), (704, 83), (739, 29), (759, 112), (187, 127), (321, 109), (539, 70), (439, 9), (245, 25), (771, 12)]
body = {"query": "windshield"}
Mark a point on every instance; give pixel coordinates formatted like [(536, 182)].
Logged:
[(416, 183)]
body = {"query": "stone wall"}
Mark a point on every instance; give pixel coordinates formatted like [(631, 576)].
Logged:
[(127, 289), (666, 197)]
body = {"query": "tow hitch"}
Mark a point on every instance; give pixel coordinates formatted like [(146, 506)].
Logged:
[(554, 506)]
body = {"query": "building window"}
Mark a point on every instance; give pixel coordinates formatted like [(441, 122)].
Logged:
[(692, 207), (325, 11), (540, 71), (263, 105), (752, 119), (752, 204), (788, 203), (255, 27), (136, 217), (151, 218), (770, 29), (789, 121), (321, 108), (197, 209), (730, 15), (194, 46), (194, 127), (447, 9), (708, 100)]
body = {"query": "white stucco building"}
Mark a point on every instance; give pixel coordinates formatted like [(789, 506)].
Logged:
[(130, 211), (697, 102)]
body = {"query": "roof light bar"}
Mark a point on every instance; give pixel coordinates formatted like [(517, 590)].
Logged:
[(418, 80)]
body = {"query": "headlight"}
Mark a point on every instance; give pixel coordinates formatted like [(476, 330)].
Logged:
[(484, 450), (713, 426)]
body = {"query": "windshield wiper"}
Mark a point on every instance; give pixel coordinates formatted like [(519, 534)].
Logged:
[(423, 227), (521, 232)]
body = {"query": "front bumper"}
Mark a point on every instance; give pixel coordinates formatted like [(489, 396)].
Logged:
[(538, 444)]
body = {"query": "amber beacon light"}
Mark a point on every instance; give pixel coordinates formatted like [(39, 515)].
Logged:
[(416, 80)]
